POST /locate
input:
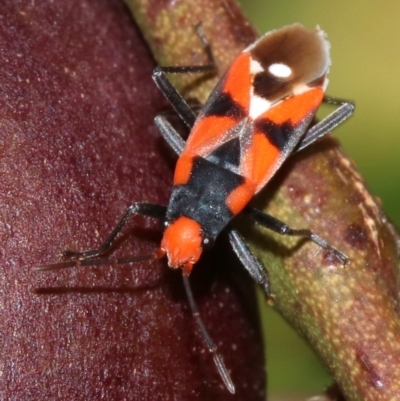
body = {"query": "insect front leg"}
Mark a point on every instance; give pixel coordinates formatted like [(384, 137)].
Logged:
[(342, 113), (145, 209), (282, 228), (179, 104)]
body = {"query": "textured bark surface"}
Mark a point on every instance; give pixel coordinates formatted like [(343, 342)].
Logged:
[(169, 29), (78, 146), (348, 314)]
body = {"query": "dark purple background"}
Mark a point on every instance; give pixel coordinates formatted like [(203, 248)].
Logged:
[(78, 146)]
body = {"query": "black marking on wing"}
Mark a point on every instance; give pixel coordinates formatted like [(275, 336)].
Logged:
[(269, 87), (203, 198), (278, 134), (227, 155), (222, 104)]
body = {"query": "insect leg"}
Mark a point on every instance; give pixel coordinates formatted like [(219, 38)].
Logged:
[(249, 261), (341, 114), (145, 209), (212, 347), (280, 227), (171, 136), (97, 262), (164, 84), (336, 101)]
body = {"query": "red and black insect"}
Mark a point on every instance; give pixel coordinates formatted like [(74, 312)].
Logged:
[(257, 115)]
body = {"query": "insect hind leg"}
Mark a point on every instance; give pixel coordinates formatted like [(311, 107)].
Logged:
[(172, 95), (282, 228), (145, 209), (341, 114)]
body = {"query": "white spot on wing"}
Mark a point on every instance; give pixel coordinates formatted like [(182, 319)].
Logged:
[(280, 70), (258, 106), (299, 89), (325, 84), (255, 67)]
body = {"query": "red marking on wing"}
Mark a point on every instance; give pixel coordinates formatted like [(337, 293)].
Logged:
[(208, 132), (296, 107), (262, 158), (259, 161), (183, 169), (238, 80)]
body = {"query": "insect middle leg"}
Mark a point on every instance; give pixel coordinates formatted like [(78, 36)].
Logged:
[(249, 261), (282, 228)]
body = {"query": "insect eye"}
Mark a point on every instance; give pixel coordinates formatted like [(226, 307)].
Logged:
[(166, 223)]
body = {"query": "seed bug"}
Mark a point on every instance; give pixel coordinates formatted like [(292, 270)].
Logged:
[(258, 114)]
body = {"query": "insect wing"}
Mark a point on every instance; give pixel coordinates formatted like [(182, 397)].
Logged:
[(275, 135), (259, 110)]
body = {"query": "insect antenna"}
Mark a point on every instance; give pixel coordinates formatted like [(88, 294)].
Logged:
[(98, 262), (212, 347)]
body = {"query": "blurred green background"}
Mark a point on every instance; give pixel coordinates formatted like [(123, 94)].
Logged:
[(365, 52)]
